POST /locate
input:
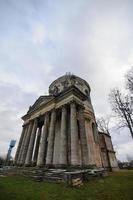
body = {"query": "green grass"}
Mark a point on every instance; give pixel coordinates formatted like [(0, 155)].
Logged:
[(117, 186)]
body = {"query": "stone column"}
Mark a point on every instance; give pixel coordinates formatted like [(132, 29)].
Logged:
[(51, 137), (31, 144), (19, 145), (83, 139), (74, 135), (42, 147), (37, 145), (26, 143), (63, 144), (22, 145)]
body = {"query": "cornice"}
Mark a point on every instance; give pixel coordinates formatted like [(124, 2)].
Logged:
[(63, 95)]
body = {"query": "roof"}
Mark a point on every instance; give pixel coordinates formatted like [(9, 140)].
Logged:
[(66, 76)]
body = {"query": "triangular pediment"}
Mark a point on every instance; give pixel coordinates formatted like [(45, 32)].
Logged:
[(41, 100)]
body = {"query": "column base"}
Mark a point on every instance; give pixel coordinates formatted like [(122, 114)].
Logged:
[(40, 166), (20, 165), (34, 164), (49, 166), (27, 165), (65, 166), (62, 166)]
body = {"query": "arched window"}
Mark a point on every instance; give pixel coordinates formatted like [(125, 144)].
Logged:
[(95, 132), (86, 92)]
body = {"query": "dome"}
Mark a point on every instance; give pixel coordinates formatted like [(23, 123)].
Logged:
[(68, 80)]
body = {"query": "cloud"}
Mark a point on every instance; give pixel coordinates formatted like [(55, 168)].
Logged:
[(122, 141), (124, 151), (14, 103), (39, 33)]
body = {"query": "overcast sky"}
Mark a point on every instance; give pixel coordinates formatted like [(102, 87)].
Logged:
[(41, 40)]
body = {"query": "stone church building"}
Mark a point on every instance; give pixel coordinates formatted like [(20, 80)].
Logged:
[(60, 130)]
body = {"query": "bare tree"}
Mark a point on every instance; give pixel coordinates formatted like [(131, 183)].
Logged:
[(122, 106), (103, 124), (129, 80)]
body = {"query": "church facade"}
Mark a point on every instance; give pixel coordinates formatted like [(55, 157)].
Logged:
[(60, 129)]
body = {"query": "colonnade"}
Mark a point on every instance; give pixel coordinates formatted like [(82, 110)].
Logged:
[(36, 145)]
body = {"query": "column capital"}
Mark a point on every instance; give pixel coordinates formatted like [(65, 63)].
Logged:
[(30, 121), (35, 120), (52, 110), (64, 106), (73, 103), (81, 107), (24, 125), (46, 113)]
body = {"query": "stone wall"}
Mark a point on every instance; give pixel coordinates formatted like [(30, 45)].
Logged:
[(107, 152)]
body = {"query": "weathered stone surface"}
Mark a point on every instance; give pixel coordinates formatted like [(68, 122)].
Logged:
[(19, 145), (38, 136), (74, 135), (43, 142), (49, 158), (31, 144), (63, 143), (82, 131), (22, 146), (26, 143), (67, 131)]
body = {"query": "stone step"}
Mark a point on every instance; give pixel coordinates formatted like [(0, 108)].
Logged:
[(57, 175), (53, 179)]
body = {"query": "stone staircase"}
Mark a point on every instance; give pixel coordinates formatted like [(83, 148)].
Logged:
[(67, 176), (49, 175)]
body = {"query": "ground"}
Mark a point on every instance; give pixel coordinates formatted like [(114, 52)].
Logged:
[(117, 186)]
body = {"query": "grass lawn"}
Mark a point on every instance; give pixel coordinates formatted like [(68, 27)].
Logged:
[(117, 186)]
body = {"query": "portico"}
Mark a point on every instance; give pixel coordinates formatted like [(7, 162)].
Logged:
[(42, 152)]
